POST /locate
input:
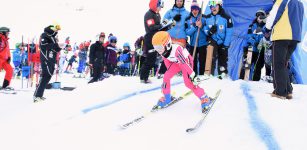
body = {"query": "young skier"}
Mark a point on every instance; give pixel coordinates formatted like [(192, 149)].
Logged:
[(176, 59)]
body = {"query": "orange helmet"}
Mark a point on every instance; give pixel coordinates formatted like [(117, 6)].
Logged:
[(162, 42)]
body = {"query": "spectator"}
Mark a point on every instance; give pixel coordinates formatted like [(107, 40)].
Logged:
[(285, 25)]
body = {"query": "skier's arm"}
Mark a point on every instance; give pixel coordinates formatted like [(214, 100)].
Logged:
[(184, 59)]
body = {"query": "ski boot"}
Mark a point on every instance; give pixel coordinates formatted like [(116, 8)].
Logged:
[(38, 99), (146, 81), (164, 102), (205, 103)]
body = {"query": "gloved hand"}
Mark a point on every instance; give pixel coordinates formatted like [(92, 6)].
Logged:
[(195, 80), (212, 30), (267, 33), (168, 24), (223, 47), (199, 24), (8, 60), (177, 17)]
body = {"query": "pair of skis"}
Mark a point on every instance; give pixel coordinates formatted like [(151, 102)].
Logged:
[(155, 109)]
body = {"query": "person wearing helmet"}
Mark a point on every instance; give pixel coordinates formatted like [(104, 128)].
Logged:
[(49, 48), (152, 23), (5, 57), (284, 24), (254, 36), (17, 59), (219, 31), (177, 59), (124, 60), (97, 57), (194, 22), (111, 55)]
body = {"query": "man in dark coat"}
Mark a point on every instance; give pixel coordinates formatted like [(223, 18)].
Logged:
[(97, 57), (49, 48)]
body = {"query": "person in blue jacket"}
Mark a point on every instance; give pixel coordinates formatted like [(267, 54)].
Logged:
[(179, 14), (17, 59), (254, 36), (124, 60), (82, 59), (219, 30), (194, 22)]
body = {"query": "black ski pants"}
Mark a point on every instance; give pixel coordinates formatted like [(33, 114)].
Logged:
[(258, 62), (97, 69), (147, 65), (47, 72), (282, 51), (200, 59)]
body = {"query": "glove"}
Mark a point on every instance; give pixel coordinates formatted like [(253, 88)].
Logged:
[(223, 47), (194, 79), (177, 17), (212, 30), (8, 60), (168, 24), (267, 33)]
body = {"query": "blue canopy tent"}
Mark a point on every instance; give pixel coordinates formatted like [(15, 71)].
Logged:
[(243, 12)]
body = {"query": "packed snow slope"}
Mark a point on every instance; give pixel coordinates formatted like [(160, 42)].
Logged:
[(244, 117)]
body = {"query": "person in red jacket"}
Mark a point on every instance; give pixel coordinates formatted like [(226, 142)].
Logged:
[(5, 57)]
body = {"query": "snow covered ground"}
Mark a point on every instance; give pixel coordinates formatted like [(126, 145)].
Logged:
[(88, 118)]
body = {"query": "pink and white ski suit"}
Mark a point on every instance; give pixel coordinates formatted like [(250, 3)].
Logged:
[(180, 60)]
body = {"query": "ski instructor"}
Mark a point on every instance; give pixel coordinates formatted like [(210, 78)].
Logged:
[(49, 48)]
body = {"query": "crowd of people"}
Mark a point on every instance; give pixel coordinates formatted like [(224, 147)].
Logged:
[(189, 33)]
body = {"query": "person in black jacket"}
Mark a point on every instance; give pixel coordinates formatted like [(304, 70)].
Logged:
[(97, 57), (152, 24), (49, 48)]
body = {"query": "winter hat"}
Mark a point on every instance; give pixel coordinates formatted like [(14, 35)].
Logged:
[(126, 45), (102, 34), (4, 30), (113, 39), (260, 12), (195, 5)]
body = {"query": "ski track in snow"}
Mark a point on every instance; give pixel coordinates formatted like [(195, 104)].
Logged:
[(261, 128), (110, 102)]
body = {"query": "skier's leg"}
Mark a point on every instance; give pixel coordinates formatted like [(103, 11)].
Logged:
[(8, 74)]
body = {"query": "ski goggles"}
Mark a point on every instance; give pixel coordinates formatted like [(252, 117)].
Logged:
[(160, 4), (213, 4), (159, 48)]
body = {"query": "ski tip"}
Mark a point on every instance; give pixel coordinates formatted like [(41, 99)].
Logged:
[(121, 127), (189, 130)]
